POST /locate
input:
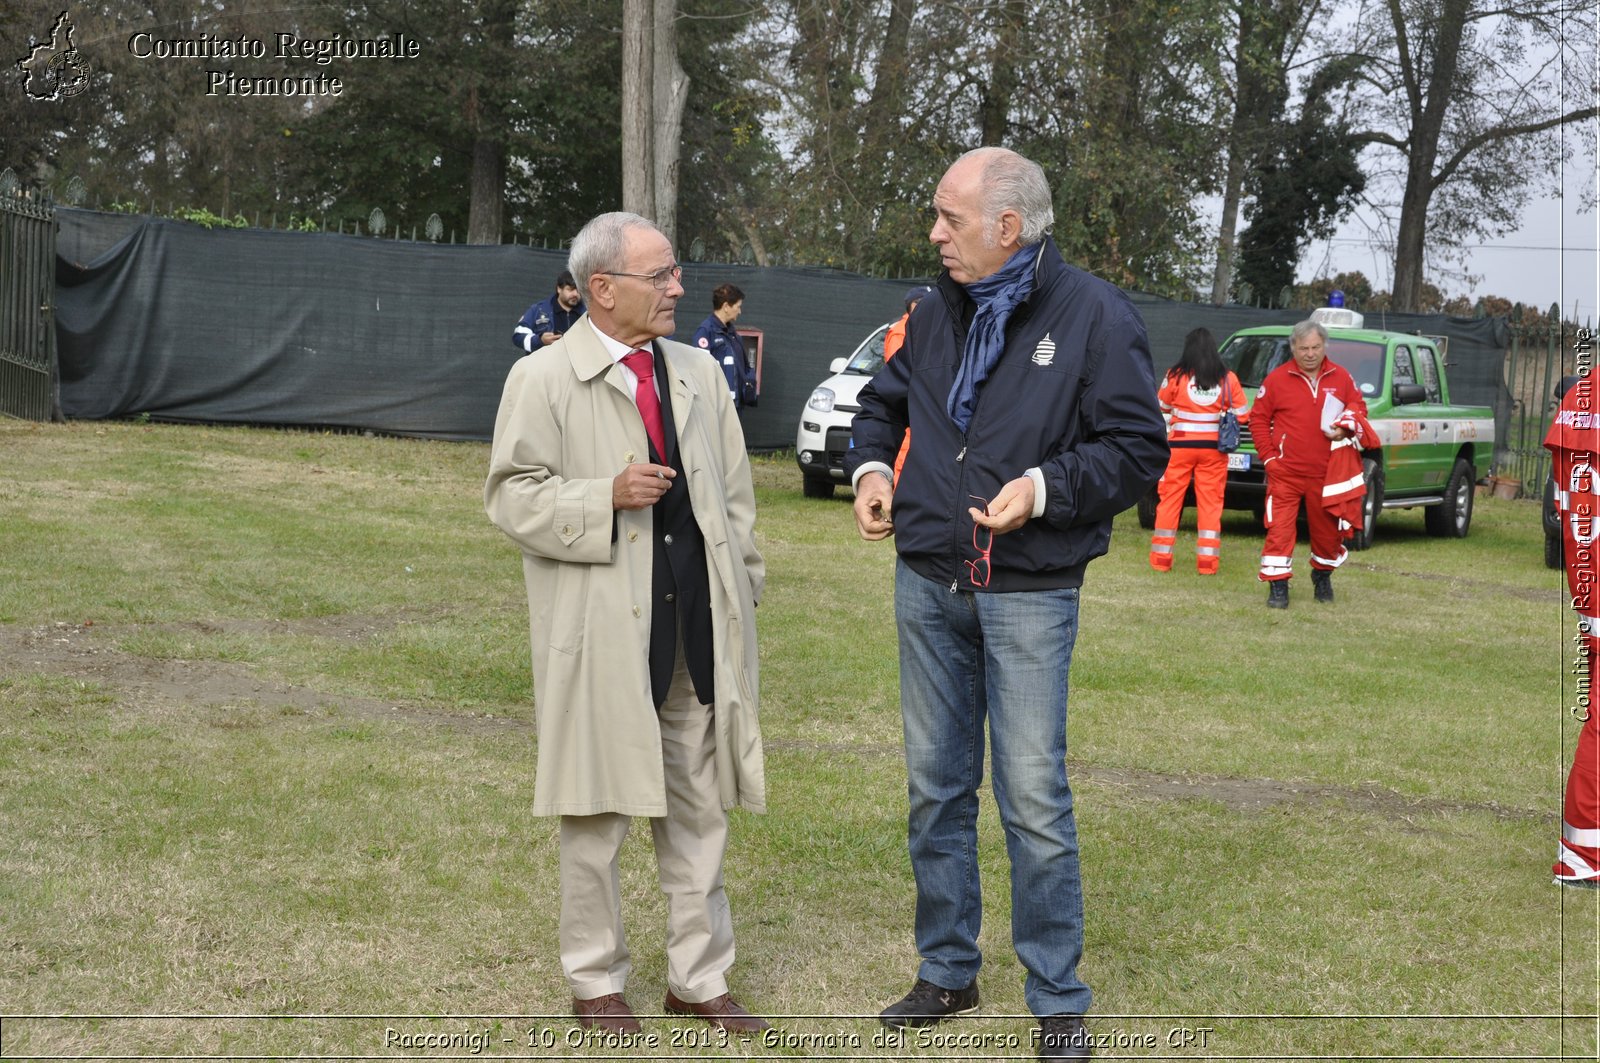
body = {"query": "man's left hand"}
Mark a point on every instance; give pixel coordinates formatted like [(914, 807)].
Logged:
[(1010, 509)]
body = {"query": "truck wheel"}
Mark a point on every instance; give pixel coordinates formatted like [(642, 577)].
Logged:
[(1371, 505), (1451, 518), (816, 487), (1552, 551), (1147, 510)]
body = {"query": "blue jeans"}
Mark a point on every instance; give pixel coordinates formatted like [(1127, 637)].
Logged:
[(963, 657)]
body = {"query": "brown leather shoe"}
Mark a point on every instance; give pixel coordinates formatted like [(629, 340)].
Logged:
[(721, 1011), (610, 1013)]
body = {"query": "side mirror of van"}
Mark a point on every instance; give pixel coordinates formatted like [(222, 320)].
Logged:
[(836, 366)]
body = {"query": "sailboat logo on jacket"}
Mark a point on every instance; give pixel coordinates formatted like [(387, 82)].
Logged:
[(1045, 353)]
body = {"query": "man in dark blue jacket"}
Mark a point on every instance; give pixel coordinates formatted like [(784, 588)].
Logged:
[(1029, 388), (545, 322)]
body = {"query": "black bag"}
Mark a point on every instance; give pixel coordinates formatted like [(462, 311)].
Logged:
[(1228, 426)]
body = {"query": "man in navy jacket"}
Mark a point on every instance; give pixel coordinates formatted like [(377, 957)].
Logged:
[(1029, 387), (546, 321)]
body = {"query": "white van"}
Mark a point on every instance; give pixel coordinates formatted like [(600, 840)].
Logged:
[(824, 433)]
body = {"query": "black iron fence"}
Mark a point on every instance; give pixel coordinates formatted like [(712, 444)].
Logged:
[(1539, 357), (29, 386)]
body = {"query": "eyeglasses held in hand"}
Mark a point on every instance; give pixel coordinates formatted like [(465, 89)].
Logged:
[(660, 280), (983, 542)]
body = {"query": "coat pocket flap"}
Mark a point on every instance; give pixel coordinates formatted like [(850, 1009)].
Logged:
[(568, 519)]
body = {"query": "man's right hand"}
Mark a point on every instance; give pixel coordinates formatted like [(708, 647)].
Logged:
[(641, 485), (874, 495), (547, 338)]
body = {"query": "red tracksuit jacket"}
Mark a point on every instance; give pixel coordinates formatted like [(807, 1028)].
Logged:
[(1286, 420)]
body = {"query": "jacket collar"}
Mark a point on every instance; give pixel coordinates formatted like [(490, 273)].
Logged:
[(589, 356), (1322, 370), (1048, 269), (590, 359)]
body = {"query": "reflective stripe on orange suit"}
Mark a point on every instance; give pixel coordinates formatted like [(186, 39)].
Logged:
[(1208, 468), (1192, 416)]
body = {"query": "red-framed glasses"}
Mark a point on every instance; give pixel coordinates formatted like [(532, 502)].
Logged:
[(983, 542)]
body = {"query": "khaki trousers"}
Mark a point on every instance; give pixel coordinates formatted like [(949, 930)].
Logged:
[(689, 842)]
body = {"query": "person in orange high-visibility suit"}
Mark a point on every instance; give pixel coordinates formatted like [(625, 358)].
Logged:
[(893, 340), (1193, 397), (1574, 445)]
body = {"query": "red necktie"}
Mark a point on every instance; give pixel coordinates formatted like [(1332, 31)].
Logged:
[(643, 365)]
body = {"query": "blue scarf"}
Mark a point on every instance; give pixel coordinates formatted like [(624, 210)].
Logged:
[(997, 295)]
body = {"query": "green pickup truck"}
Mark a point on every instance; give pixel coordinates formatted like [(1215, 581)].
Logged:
[(1433, 451)]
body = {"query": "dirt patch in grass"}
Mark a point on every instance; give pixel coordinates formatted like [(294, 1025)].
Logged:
[(1263, 794), (87, 652), (1463, 586)]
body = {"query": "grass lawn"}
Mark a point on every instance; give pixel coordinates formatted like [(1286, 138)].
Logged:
[(266, 755)]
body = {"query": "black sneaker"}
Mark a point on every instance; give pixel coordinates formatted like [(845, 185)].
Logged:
[(1278, 594), (1064, 1037), (927, 1004), (1322, 585)]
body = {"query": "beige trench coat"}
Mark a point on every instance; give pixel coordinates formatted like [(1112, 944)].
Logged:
[(567, 424)]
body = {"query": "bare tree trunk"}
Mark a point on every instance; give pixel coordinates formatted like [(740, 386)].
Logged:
[(880, 126), (1411, 239), (1260, 61), (486, 214), (994, 104), (1227, 232), (671, 93), (737, 224), (1233, 177), (486, 217), (638, 84), (1428, 102)]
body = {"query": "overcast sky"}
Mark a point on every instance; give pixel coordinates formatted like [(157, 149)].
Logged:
[(1550, 259)]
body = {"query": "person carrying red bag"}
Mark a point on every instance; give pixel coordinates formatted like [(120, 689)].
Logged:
[(1301, 406)]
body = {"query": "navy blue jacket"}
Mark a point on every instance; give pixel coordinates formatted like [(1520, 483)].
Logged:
[(1074, 395), (722, 342), (542, 317)]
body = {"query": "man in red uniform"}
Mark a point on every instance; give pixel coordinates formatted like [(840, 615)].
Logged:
[(1574, 445), (1292, 423)]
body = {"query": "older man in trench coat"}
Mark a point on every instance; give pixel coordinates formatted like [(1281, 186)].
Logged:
[(635, 514)]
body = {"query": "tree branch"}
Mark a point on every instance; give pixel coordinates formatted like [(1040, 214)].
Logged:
[(1504, 132)]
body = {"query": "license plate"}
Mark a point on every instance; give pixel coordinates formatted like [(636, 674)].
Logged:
[(1239, 461)]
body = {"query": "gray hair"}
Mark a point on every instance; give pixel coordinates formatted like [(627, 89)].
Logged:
[(1014, 182), (599, 245), (1306, 328)]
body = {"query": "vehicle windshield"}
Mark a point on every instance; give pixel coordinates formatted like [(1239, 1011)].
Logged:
[(1253, 357), (868, 358)]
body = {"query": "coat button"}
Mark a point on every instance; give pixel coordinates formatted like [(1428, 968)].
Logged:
[(672, 597), (566, 529), (628, 456), (667, 539), (633, 537), (636, 611)]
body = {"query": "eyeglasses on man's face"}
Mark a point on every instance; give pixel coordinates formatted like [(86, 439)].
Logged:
[(660, 280)]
